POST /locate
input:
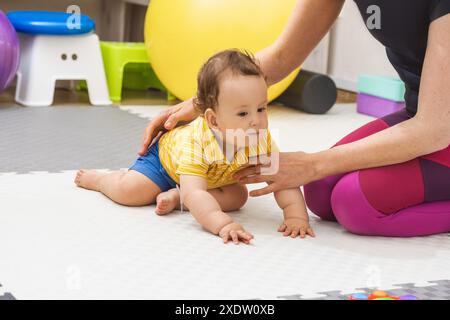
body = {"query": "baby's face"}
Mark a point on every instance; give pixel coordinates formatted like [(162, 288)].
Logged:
[(242, 106)]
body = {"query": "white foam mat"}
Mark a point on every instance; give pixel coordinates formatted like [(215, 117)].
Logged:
[(62, 242)]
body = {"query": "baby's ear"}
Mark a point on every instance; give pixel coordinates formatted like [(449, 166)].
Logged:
[(211, 118)]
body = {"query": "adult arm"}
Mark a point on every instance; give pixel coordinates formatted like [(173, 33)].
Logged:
[(168, 119), (427, 132), (307, 25)]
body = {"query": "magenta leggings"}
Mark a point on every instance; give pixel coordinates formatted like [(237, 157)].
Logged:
[(401, 200)]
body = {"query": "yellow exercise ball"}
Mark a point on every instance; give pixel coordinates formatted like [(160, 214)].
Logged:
[(181, 35)]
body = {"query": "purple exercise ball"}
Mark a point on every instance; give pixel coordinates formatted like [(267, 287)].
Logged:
[(9, 52)]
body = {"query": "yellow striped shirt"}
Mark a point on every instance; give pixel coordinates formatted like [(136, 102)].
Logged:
[(193, 149)]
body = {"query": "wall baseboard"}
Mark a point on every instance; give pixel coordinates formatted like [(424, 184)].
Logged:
[(345, 84)]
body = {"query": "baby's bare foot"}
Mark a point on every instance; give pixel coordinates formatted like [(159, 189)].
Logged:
[(167, 201), (89, 179)]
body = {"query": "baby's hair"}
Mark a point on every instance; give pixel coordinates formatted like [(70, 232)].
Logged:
[(235, 61)]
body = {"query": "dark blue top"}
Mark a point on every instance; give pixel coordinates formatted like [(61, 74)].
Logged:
[(50, 23), (403, 30)]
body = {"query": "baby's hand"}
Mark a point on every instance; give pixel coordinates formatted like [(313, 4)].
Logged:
[(295, 227), (235, 232)]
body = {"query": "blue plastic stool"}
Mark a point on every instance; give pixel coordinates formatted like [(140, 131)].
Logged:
[(53, 47), (50, 23)]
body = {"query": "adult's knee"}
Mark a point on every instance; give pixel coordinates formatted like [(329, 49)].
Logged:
[(318, 197), (351, 208)]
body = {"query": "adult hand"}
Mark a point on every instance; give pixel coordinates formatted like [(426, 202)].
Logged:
[(295, 169), (181, 113)]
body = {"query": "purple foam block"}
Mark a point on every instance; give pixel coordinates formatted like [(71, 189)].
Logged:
[(377, 107)]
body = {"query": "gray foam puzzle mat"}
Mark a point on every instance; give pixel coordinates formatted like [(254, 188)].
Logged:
[(68, 138), (5, 295), (438, 290)]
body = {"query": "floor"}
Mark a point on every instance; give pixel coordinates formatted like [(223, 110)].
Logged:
[(62, 242)]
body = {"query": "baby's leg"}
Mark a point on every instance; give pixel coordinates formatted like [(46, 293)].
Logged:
[(230, 198), (129, 188)]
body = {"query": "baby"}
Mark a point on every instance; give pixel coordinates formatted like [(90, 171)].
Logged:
[(192, 166)]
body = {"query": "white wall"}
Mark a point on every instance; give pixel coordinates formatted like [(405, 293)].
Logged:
[(318, 60), (348, 51)]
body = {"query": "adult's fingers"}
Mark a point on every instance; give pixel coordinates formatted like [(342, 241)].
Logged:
[(152, 130), (249, 171), (181, 113), (255, 179), (146, 139), (266, 190), (171, 122)]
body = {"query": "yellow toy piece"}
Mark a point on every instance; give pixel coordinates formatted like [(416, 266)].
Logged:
[(181, 35)]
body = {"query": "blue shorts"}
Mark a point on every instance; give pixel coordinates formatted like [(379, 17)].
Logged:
[(151, 167)]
